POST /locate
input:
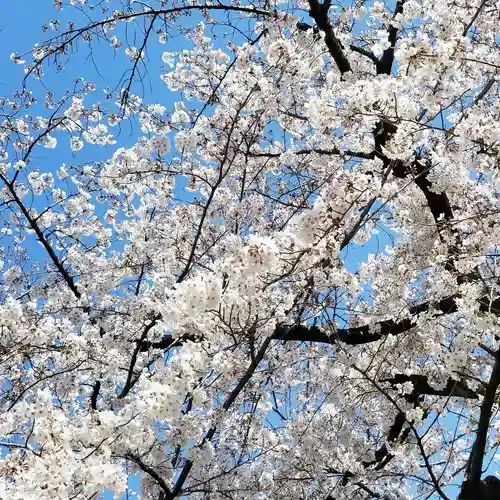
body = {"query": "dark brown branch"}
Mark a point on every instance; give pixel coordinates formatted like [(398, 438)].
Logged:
[(383, 452), (350, 336), (95, 395), (474, 17), (420, 445), (438, 203), (354, 48), (148, 470), (319, 151), (319, 12), (384, 66), (366, 334), (227, 404), (440, 208), (474, 468), (362, 334), (421, 388), (421, 385), (130, 382), (364, 52), (167, 342), (250, 371), (43, 240), (307, 27), (484, 90)]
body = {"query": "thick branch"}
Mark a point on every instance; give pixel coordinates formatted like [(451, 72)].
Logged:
[(424, 455), (475, 465), (148, 470), (421, 386), (440, 208), (318, 151), (130, 382), (364, 52), (362, 334), (95, 394), (350, 336), (319, 12), (474, 17), (355, 48), (384, 66)]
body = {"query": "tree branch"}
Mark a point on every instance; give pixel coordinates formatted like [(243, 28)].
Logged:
[(350, 336), (319, 12), (148, 470), (474, 468), (227, 404), (95, 395), (453, 387), (138, 348), (362, 334), (384, 66), (43, 240)]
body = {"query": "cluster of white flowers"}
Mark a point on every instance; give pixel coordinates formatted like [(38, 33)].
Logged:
[(286, 287)]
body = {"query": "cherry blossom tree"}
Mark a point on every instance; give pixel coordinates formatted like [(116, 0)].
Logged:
[(186, 309)]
